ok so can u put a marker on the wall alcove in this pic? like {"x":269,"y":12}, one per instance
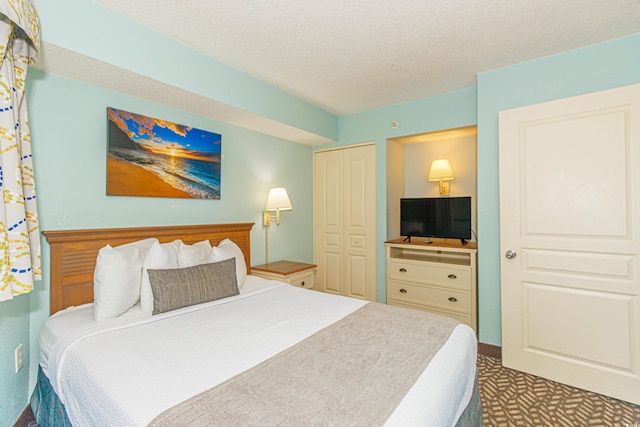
{"x":409,"y":159}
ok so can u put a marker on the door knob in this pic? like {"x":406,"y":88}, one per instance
{"x":510,"y":254}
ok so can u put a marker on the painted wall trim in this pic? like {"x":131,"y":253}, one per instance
{"x":55,"y":60}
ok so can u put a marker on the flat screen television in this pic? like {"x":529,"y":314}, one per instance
{"x":442,"y":217}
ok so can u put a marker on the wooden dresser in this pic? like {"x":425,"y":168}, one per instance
{"x":439,"y":277}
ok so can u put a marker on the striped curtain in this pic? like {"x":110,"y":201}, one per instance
{"x":19,"y":234}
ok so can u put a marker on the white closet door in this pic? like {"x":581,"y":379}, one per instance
{"x":570,"y":241}
{"x":344,"y":221}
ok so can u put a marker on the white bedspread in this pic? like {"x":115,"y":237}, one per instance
{"x":127,"y":371}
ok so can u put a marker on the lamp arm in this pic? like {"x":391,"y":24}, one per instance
{"x":268,"y":217}
{"x":444,"y":188}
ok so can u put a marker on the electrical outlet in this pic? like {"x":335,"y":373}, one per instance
{"x":18,"y":357}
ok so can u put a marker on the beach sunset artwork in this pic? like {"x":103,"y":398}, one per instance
{"x":155,"y":158}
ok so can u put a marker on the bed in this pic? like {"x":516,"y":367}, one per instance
{"x":266,"y":354}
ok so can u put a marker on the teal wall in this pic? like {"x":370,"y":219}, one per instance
{"x":14,"y":388}
{"x":598,"y":67}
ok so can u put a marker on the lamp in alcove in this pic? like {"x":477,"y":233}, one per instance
{"x":277,"y":200}
{"x":441,"y":171}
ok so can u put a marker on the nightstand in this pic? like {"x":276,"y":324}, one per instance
{"x":295,"y":273}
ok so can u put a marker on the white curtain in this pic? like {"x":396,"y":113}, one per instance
{"x":19,"y":234}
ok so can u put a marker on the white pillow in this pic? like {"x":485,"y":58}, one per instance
{"x":144,"y":245}
{"x":160,"y":256}
{"x":117,"y":277}
{"x":196,"y":254}
{"x":227,"y":249}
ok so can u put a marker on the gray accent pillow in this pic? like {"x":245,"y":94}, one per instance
{"x":181,"y":287}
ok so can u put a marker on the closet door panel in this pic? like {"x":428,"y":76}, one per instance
{"x":356,"y":276}
{"x":360,"y":220}
{"x":328,"y":220}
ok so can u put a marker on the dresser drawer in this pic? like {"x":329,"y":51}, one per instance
{"x":449,"y":276}
{"x":304,"y":281}
{"x":444,"y":299}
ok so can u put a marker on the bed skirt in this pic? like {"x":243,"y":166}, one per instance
{"x":49,"y":411}
{"x":47,"y":408}
{"x":472,"y":415}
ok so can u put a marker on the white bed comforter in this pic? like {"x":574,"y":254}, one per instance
{"x":127,"y":371}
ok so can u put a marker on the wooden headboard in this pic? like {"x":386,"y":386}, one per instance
{"x":74,"y":253}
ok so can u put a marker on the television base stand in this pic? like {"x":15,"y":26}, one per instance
{"x":440,"y":277}
{"x":426,"y":242}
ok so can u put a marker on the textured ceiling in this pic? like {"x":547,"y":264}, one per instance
{"x":355,"y":55}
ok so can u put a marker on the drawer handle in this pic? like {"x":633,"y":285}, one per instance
{"x":403,"y":291}
{"x":302,"y":284}
{"x":403,"y":270}
{"x":452,"y":276}
{"x":453,"y":299}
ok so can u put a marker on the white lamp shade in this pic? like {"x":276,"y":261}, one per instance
{"x":278,"y":199}
{"x":440,"y":171}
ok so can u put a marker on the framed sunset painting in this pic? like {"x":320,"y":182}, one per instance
{"x":155,"y":158}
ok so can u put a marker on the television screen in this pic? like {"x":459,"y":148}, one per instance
{"x":443,"y":217}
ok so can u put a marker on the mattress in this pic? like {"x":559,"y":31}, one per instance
{"x":77,"y":317}
{"x":126,"y":371}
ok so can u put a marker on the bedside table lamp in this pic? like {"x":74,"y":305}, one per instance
{"x":278,"y":200}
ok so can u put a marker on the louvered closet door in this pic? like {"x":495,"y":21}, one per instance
{"x":570,"y":241}
{"x":344,"y":209}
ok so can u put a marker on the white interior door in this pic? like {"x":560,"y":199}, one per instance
{"x":570,"y":213}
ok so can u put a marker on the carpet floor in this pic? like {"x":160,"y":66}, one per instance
{"x":513,"y":398}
